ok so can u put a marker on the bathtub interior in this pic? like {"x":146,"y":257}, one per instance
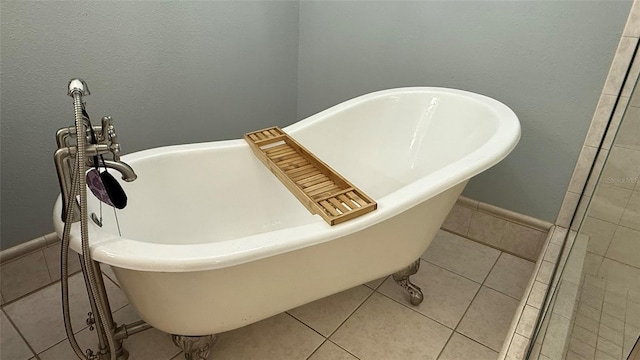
{"x":391,"y":141}
{"x":203,"y":196}
{"x":219,"y":191}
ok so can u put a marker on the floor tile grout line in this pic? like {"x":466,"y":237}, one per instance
{"x":482,"y":283}
{"x":492,"y":267}
{"x":625,"y":322}
{"x":109,"y":277}
{"x":326,"y":338}
{"x":398,"y":302}
{"x":455,"y":273}
{"x":342,"y":322}
{"x":476,"y":341}
{"x":46,"y":264}
{"x":487,"y":275}
{"x":436,"y":321}
{"x":576,"y":325}
{"x":601,"y":311}
{"x":495,"y":247}
{"x":467,"y":309}
{"x":445,"y":345}
{"x":413,"y":309}
{"x":614,"y":260}
{"x":501,"y":292}
{"x":575,"y":355}
{"x":179,"y":351}
{"x":19,"y":333}
{"x":474,"y":297}
{"x":78,"y":331}
{"x":303,"y":323}
{"x":570,"y":336}
{"x":316,"y":349}
{"x":626,"y":306}
{"x":60,"y":342}
{"x":612,"y":340}
{"x":52,"y":283}
{"x":353,"y":312}
{"x":458,"y":323}
{"x":455,"y":330}
{"x":442,"y":267}
{"x":575,"y":339}
{"x":350,"y":353}
{"x":611,"y":242}
{"x":326,"y":341}
{"x":113,"y":311}
{"x":378,"y":286}
{"x":519,"y":300}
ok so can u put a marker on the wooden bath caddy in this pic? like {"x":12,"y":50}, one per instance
{"x":318,"y":187}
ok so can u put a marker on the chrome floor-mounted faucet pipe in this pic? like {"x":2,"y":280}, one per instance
{"x":71,"y":160}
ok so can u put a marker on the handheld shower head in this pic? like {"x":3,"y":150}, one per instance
{"x":78,"y":85}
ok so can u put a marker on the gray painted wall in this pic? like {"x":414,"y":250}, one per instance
{"x":168,"y":72}
{"x":177,"y":72}
{"x":547,"y":60}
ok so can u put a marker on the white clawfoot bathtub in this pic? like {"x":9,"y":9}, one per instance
{"x":212,"y":241}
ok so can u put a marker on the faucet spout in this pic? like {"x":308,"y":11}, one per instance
{"x":125,"y":170}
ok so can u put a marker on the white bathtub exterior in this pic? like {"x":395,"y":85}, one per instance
{"x":211,"y":241}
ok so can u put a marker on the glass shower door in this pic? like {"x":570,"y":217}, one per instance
{"x":593,"y":309}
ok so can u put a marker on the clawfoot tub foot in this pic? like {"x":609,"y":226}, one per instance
{"x":402,"y":279}
{"x":195,"y":347}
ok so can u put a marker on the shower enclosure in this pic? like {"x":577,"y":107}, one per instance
{"x":592,"y":310}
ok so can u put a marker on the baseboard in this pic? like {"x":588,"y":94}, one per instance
{"x":28,"y":247}
{"x":505,"y":230}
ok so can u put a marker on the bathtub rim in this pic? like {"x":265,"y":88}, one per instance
{"x":146,"y":256}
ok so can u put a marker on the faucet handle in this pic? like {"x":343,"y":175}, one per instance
{"x":115,"y":150}
{"x":78,"y":84}
{"x":109,"y":134}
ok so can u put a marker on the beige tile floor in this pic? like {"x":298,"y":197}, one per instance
{"x":471,"y":294}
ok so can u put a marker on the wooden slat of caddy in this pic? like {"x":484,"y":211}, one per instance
{"x":326,"y":205}
{"x":329,"y":189}
{"x":339,"y":205}
{"x":312,"y":180}
{"x":281,"y":153}
{"x":309,"y":178}
{"x":285,"y":158}
{"x":277,"y":149}
{"x":350,"y":203}
{"x":302,"y":170}
{"x":356,"y":198}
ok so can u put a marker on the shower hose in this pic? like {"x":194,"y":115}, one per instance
{"x":78,"y":184}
